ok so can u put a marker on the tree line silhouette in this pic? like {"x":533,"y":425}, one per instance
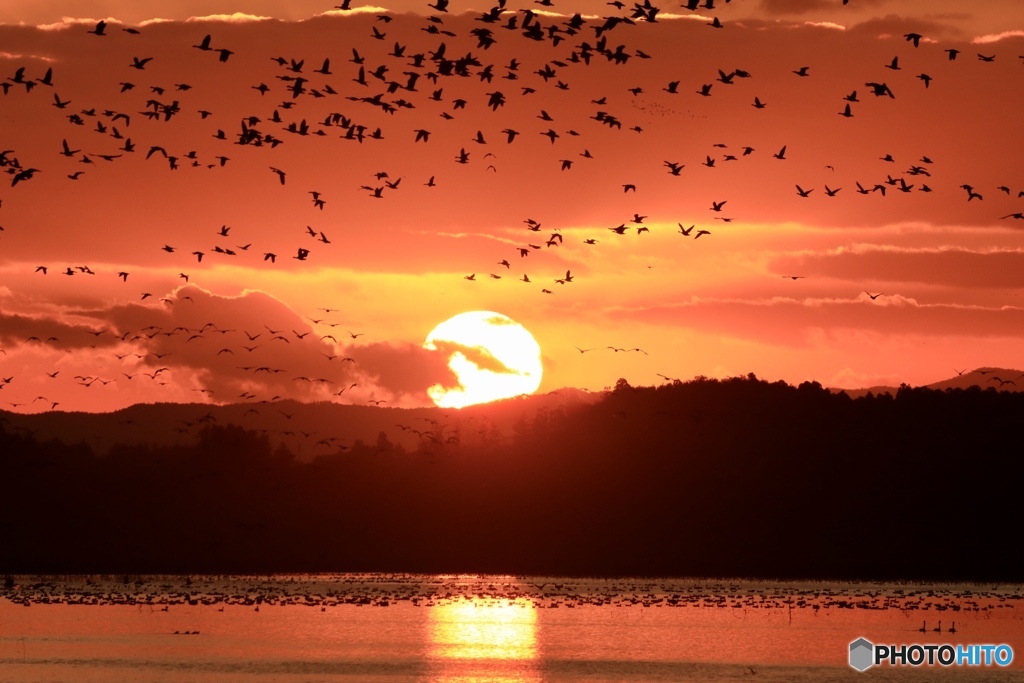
{"x":738,"y":477}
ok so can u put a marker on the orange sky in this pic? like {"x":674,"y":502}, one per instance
{"x":950,"y":271}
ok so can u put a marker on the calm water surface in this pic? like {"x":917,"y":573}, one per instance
{"x":484,"y":628}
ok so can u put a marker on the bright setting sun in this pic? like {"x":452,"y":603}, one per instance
{"x":493,"y":357}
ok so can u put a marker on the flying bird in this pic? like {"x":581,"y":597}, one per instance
{"x":880,"y":90}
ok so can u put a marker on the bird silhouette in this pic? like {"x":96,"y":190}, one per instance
{"x":880,"y":90}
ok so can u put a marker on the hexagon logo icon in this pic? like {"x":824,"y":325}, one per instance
{"x":862,"y":654}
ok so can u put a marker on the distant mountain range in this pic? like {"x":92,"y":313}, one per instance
{"x":1000,"y":379}
{"x":312,"y":429}
{"x":307,"y":429}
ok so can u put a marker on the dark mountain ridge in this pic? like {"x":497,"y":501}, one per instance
{"x":299,"y":426}
{"x":737,"y":477}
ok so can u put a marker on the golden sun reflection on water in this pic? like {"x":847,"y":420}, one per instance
{"x":492,"y":640}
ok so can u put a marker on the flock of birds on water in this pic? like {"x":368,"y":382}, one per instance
{"x":390,"y":80}
{"x":329,"y":593}
{"x":935,"y":603}
{"x":195,"y":603}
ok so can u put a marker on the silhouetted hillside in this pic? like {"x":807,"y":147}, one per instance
{"x":299,"y":426}
{"x":738,"y":477}
{"x":1000,"y":379}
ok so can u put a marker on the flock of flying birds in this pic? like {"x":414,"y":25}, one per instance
{"x":391,"y":79}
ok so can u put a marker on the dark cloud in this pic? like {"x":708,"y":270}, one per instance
{"x":249,"y":344}
{"x":946,"y":267}
{"x":404,"y":370}
{"x":51,"y":332}
{"x":898,"y":25}
{"x":794,"y":6}
{"x":478,"y":356}
{"x":793,"y":322}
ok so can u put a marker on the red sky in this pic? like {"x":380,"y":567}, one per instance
{"x":948,"y":270}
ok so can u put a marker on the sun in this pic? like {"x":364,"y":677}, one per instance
{"x":493,"y":357}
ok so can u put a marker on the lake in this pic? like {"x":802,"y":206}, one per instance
{"x":389,"y":627}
